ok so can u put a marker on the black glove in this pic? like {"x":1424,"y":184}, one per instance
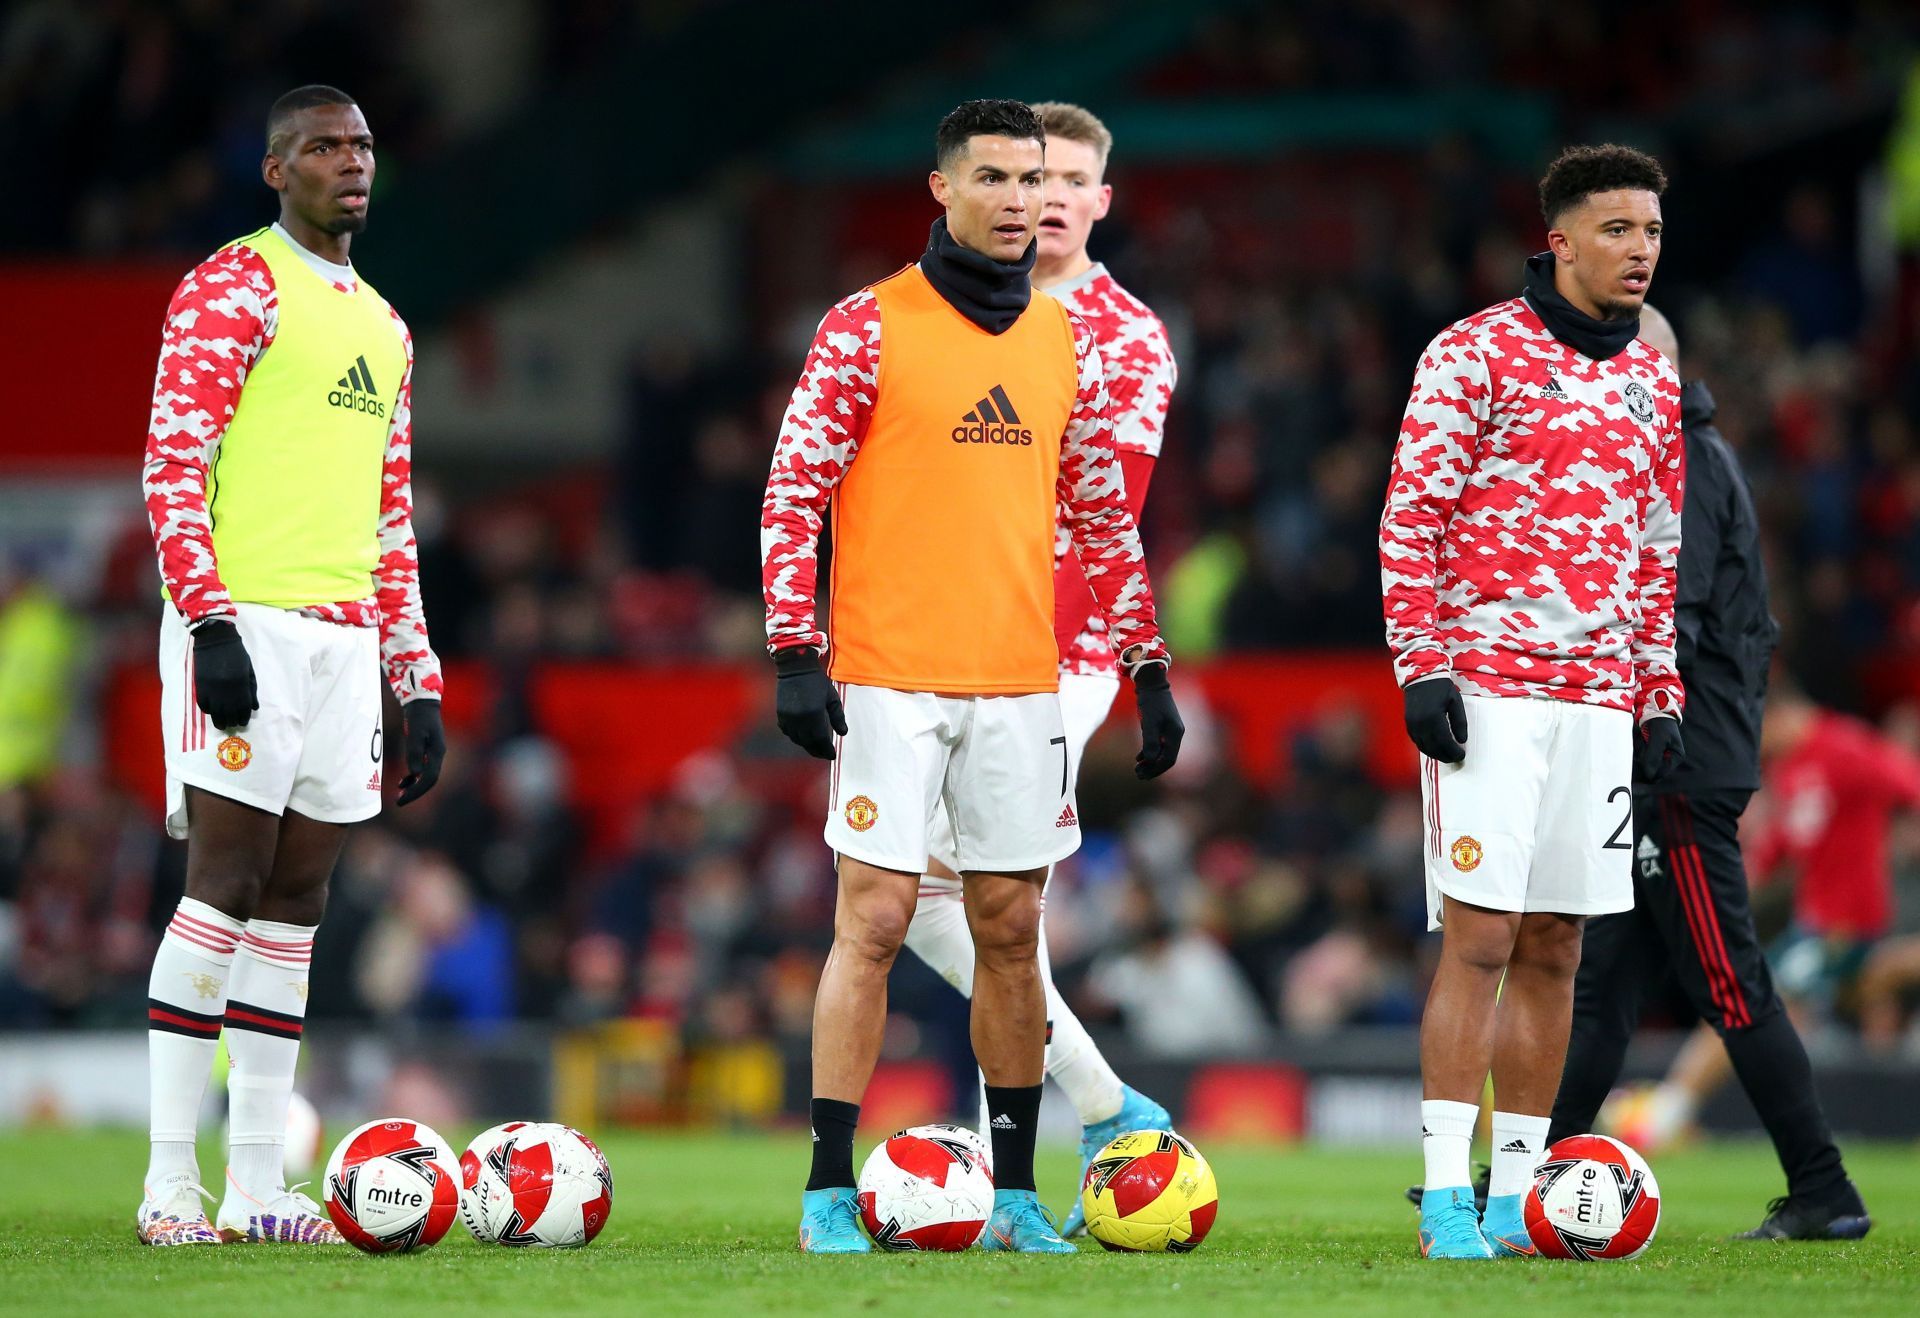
{"x":426,"y":748}
{"x":223,"y":683}
{"x":1437,"y":719}
{"x":806,"y":704}
{"x":1658,"y":750}
{"x":1160,"y":727}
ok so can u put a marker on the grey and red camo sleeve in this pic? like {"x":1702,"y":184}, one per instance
{"x":1655,"y":577}
{"x":1093,"y":507}
{"x":222,"y":317}
{"x":819,"y":436}
{"x":1446,"y":414}
{"x":413,"y":670}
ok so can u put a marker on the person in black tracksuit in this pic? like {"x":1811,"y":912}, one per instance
{"x":1691,"y":907}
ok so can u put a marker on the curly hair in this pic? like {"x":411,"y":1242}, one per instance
{"x":1582,"y":171}
{"x":971,"y":119}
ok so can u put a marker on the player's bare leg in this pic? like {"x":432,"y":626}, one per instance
{"x":1456,"y":1053}
{"x":1532,"y":1025}
{"x":266,"y":1011}
{"x":1009,"y":1022}
{"x":1010,"y":1041}
{"x":870,"y":917}
{"x":230,"y":850}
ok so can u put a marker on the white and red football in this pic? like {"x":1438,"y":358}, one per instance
{"x":393,"y":1186}
{"x":1592,"y":1198}
{"x":535,"y":1184}
{"x":926,"y":1188}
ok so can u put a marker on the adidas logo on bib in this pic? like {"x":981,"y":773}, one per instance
{"x":992,"y":421}
{"x":356,"y":393}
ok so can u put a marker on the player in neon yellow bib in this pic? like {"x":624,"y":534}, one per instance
{"x":278,"y":484}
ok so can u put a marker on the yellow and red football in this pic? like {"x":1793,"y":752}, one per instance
{"x":1149,"y":1191}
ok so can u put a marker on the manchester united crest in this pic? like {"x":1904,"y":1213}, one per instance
{"x":1466,"y":854}
{"x":861,"y":814}
{"x":234,"y":754}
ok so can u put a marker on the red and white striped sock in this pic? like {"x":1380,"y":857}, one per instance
{"x":266,"y":1010}
{"x":186,"y":999}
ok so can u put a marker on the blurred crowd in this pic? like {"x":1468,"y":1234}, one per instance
{"x":1200,"y":917}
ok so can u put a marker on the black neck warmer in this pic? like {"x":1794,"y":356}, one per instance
{"x":1696,"y":404}
{"x":1599,"y":339}
{"x":990,"y":293}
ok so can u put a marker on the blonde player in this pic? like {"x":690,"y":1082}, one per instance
{"x":1140,"y":375}
{"x":950,"y":416}
{"x":277,"y":484}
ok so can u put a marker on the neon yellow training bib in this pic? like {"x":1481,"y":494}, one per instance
{"x":295,"y":487}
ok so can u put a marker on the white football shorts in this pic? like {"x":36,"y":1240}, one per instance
{"x":1085,"y":700}
{"x":315,"y":743}
{"x":1539,"y":816}
{"x":995,"y":766}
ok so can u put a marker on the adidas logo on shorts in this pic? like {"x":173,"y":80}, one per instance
{"x":1067,"y":818}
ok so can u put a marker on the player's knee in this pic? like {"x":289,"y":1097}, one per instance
{"x":298,"y":903}
{"x":231,"y":887}
{"x":1551,"y":948}
{"x":875,"y":929}
{"x":1011,"y":933}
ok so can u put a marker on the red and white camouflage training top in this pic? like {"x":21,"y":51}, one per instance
{"x":1141,"y":375}
{"x":224,"y":314}
{"x":1532,"y":524}
{"x":820,"y":437}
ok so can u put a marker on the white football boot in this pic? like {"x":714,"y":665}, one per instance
{"x":174,"y":1213}
{"x":285,"y":1217}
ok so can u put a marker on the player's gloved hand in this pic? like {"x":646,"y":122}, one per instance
{"x":806,"y":704}
{"x":223,"y":684}
{"x":1437,"y":719}
{"x":426,"y":748}
{"x":1657,"y":750}
{"x":1161,"y":730}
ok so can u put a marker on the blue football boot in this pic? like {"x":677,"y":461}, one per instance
{"x":830,"y":1222}
{"x":1504,"y":1229}
{"x":1449,"y":1228}
{"x":1137,"y":1112}
{"x":1020,"y":1225}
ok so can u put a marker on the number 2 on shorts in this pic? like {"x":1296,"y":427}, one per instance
{"x":1618,"y":842}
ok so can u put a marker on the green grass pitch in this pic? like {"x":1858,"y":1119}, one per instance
{"x":704,"y":1224}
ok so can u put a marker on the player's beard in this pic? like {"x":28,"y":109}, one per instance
{"x":347,"y":224}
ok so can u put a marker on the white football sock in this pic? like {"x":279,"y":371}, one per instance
{"x":186,"y":998}
{"x":939,"y":936}
{"x":1073,"y":1060}
{"x":266,"y":1012}
{"x":1446,"y":1138}
{"x":1518,"y":1143}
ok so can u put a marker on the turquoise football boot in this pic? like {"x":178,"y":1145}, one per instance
{"x":1449,"y":1228}
{"x":830,"y":1222}
{"x":1504,"y":1229}
{"x":1137,"y":1112}
{"x":1020,"y":1225}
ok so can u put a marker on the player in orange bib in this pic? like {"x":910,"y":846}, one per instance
{"x":947,"y":415}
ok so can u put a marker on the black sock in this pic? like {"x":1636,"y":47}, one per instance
{"x":833,"y":1123}
{"x":1773,"y":1068}
{"x":1013,"y":1115}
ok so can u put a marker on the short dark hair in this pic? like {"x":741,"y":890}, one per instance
{"x":1582,"y":171}
{"x":971,"y":119}
{"x":300,"y":98}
